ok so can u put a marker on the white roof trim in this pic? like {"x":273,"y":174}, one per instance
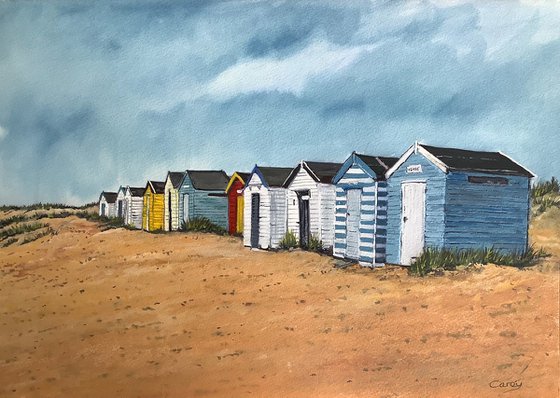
{"x":416,"y":148}
{"x":517,"y":163}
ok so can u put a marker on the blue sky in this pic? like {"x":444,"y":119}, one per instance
{"x":97,"y":95}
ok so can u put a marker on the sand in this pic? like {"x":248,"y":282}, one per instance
{"x":119,"y":313}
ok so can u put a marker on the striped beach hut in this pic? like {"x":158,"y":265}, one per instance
{"x":134,"y":203}
{"x":265,"y":213}
{"x":311,"y":202}
{"x":152,"y":213}
{"x":361,"y":209}
{"x":107,"y":204}
{"x":456,"y":199}
{"x":234,"y":191}
{"x":202,"y":195}
{"x":171,"y":200}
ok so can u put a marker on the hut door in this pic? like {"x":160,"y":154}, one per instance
{"x":412,"y":221}
{"x":353,"y":199}
{"x":240,"y":210}
{"x":169,"y":219}
{"x":255,"y":216}
{"x":186,"y":208}
{"x":304,"y":228}
{"x":103,"y":209}
{"x":120,"y":212}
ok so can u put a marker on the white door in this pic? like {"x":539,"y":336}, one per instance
{"x":412,"y":221}
{"x":353,"y":199}
{"x":186,"y":207}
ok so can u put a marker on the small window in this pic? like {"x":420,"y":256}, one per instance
{"x":488,"y":180}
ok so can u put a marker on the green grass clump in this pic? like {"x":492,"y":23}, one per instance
{"x":202,"y":224}
{"x":34,"y":237}
{"x":12,"y":220}
{"x":448,"y":259}
{"x":289,"y":241}
{"x":20,"y":229}
{"x":8,"y":242}
{"x":544,"y":195}
{"x":315,"y":244}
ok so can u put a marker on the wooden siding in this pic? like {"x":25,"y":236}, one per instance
{"x":435,"y":204}
{"x":233,"y":194}
{"x":203,"y":204}
{"x":373,"y":215}
{"x":321,"y":207}
{"x":134,"y":205}
{"x":485,"y":215}
{"x":272,"y":213}
{"x":175,"y":225}
{"x":152,"y":214}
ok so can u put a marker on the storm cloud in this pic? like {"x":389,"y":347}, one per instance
{"x":97,"y":95}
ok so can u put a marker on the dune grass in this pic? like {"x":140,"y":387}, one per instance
{"x":19,"y":229}
{"x":202,"y":224}
{"x":289,"y":241}
{"x":449,"y":259}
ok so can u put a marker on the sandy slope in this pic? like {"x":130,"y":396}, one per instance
{"x":126,"y":313}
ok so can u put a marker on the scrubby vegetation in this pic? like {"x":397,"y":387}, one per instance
{"x":202,"y":224}
{"x":289,"y":241}
{"x":315,"y":244}
{"x":445,"y":259}
{"x":544,"y":195}
{"x":20,"y":229}
{"x":46,"y":206}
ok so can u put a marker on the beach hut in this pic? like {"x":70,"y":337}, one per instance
{"x":234,"y":191}
{"x":202,"y":195}
{"x":311,"y":202}
{"x":171,"y":200}
{"x":107,"y":205}
{"x":456,"y":199}
{"x":152,"y":212}
{"x":120,"y":204}
{"x":265,"y":215}
{"x":134,"y":202}
{"x":361,"y":209}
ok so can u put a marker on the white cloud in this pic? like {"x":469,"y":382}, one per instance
{"x":3,"y":133}
{"x":289,"y":75}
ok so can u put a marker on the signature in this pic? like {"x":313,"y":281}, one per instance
{"x":513,"y":385}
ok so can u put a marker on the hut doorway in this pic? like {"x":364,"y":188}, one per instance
{"x":120,"y":211}
{"x":412,"y":220}
{"x":169,"y":219}
{"x":304,"y":227}
{"x":353,"y":199}
{"x":186,"y":208}
{"x":255,"y":216}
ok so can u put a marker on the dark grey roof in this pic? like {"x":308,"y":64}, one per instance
{"x":137,"y":191}
{"x":379,"y":164}
{"x":176,"y":177}
{"x":209,"y":180}
{"x":320,"y":171}
{"x":244,"y":176}
{"x":275,"y":176}
{"x":490,"y":162}
{"x":157,"y":186}
{"x":110,"y":197}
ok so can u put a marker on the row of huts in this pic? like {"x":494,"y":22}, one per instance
{"x":372,"y":209}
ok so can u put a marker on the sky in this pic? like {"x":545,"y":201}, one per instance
{"x":94,"y":95}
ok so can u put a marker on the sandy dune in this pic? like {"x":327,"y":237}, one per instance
{"x":129,"y":314}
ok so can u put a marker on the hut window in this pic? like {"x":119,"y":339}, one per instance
{"x":488,"y":180}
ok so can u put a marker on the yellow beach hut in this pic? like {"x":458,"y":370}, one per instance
{"x":153,"y":209}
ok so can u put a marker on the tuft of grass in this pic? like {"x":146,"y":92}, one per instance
{"x":315,"y":244}
{"x":8,"y":242}
{"x":20,"y":229}
{"x":544,"y":195}
{"x":289,"y":241}
{"x":202,"y":224}
{"x":448,"y":259}
{"x":46,"y":206}
{"x":34,"y":237}
{"x":12,"y":220}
